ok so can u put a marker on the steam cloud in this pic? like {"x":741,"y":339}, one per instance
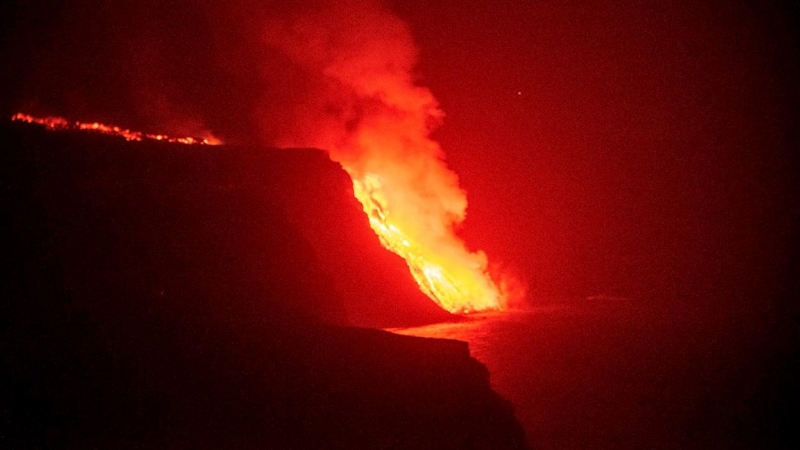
{"x":365,"y":108}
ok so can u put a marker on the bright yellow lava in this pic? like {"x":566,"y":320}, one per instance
{"x":450,"y":275}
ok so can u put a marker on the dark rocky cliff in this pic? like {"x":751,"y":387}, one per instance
{"x":163,"y":296}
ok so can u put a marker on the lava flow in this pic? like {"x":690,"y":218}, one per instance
{"x":60,"y":123}
{"x":450,"y":275}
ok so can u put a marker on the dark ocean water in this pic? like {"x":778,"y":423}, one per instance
{"x":614,"y":373}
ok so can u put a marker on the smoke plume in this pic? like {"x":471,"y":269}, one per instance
{"x":365,"y":107}
{"x":363,"y":104}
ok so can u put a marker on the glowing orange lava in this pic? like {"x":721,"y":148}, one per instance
{"x":444,"y":269}
{"x":60,"y":123}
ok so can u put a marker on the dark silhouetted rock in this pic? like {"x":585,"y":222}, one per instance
{"x":163,"y":296}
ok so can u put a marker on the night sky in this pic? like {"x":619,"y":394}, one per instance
{"x":634,"y":148}
{"x":620,"y":148}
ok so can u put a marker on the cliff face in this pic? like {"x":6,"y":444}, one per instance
{"x":161,"y":296}
{"x":162,"y":192}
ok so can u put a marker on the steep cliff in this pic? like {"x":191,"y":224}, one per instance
{"x":162,"y":296}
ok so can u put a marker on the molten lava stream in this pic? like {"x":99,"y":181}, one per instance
{"x":445,"y":271}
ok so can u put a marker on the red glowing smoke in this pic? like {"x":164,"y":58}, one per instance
{"x":367,"y":110}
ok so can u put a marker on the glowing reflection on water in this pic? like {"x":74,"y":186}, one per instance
{"x":483,"y":332}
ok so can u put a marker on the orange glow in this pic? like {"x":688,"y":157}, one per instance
{"x":59,"y":123}
{"x":367,"y":110}
{"x":443,"y":268}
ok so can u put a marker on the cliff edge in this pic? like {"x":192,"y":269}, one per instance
{"x":162,"y":296}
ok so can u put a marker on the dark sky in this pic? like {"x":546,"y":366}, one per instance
{"x":635,"y":148}
{"x":621,"y":147}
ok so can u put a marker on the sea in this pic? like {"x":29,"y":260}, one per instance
{"x":615,"y":373}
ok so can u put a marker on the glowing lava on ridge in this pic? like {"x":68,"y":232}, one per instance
{"x":60,"y":123}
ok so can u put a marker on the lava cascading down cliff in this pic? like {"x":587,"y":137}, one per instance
{"x":373,"y":118}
